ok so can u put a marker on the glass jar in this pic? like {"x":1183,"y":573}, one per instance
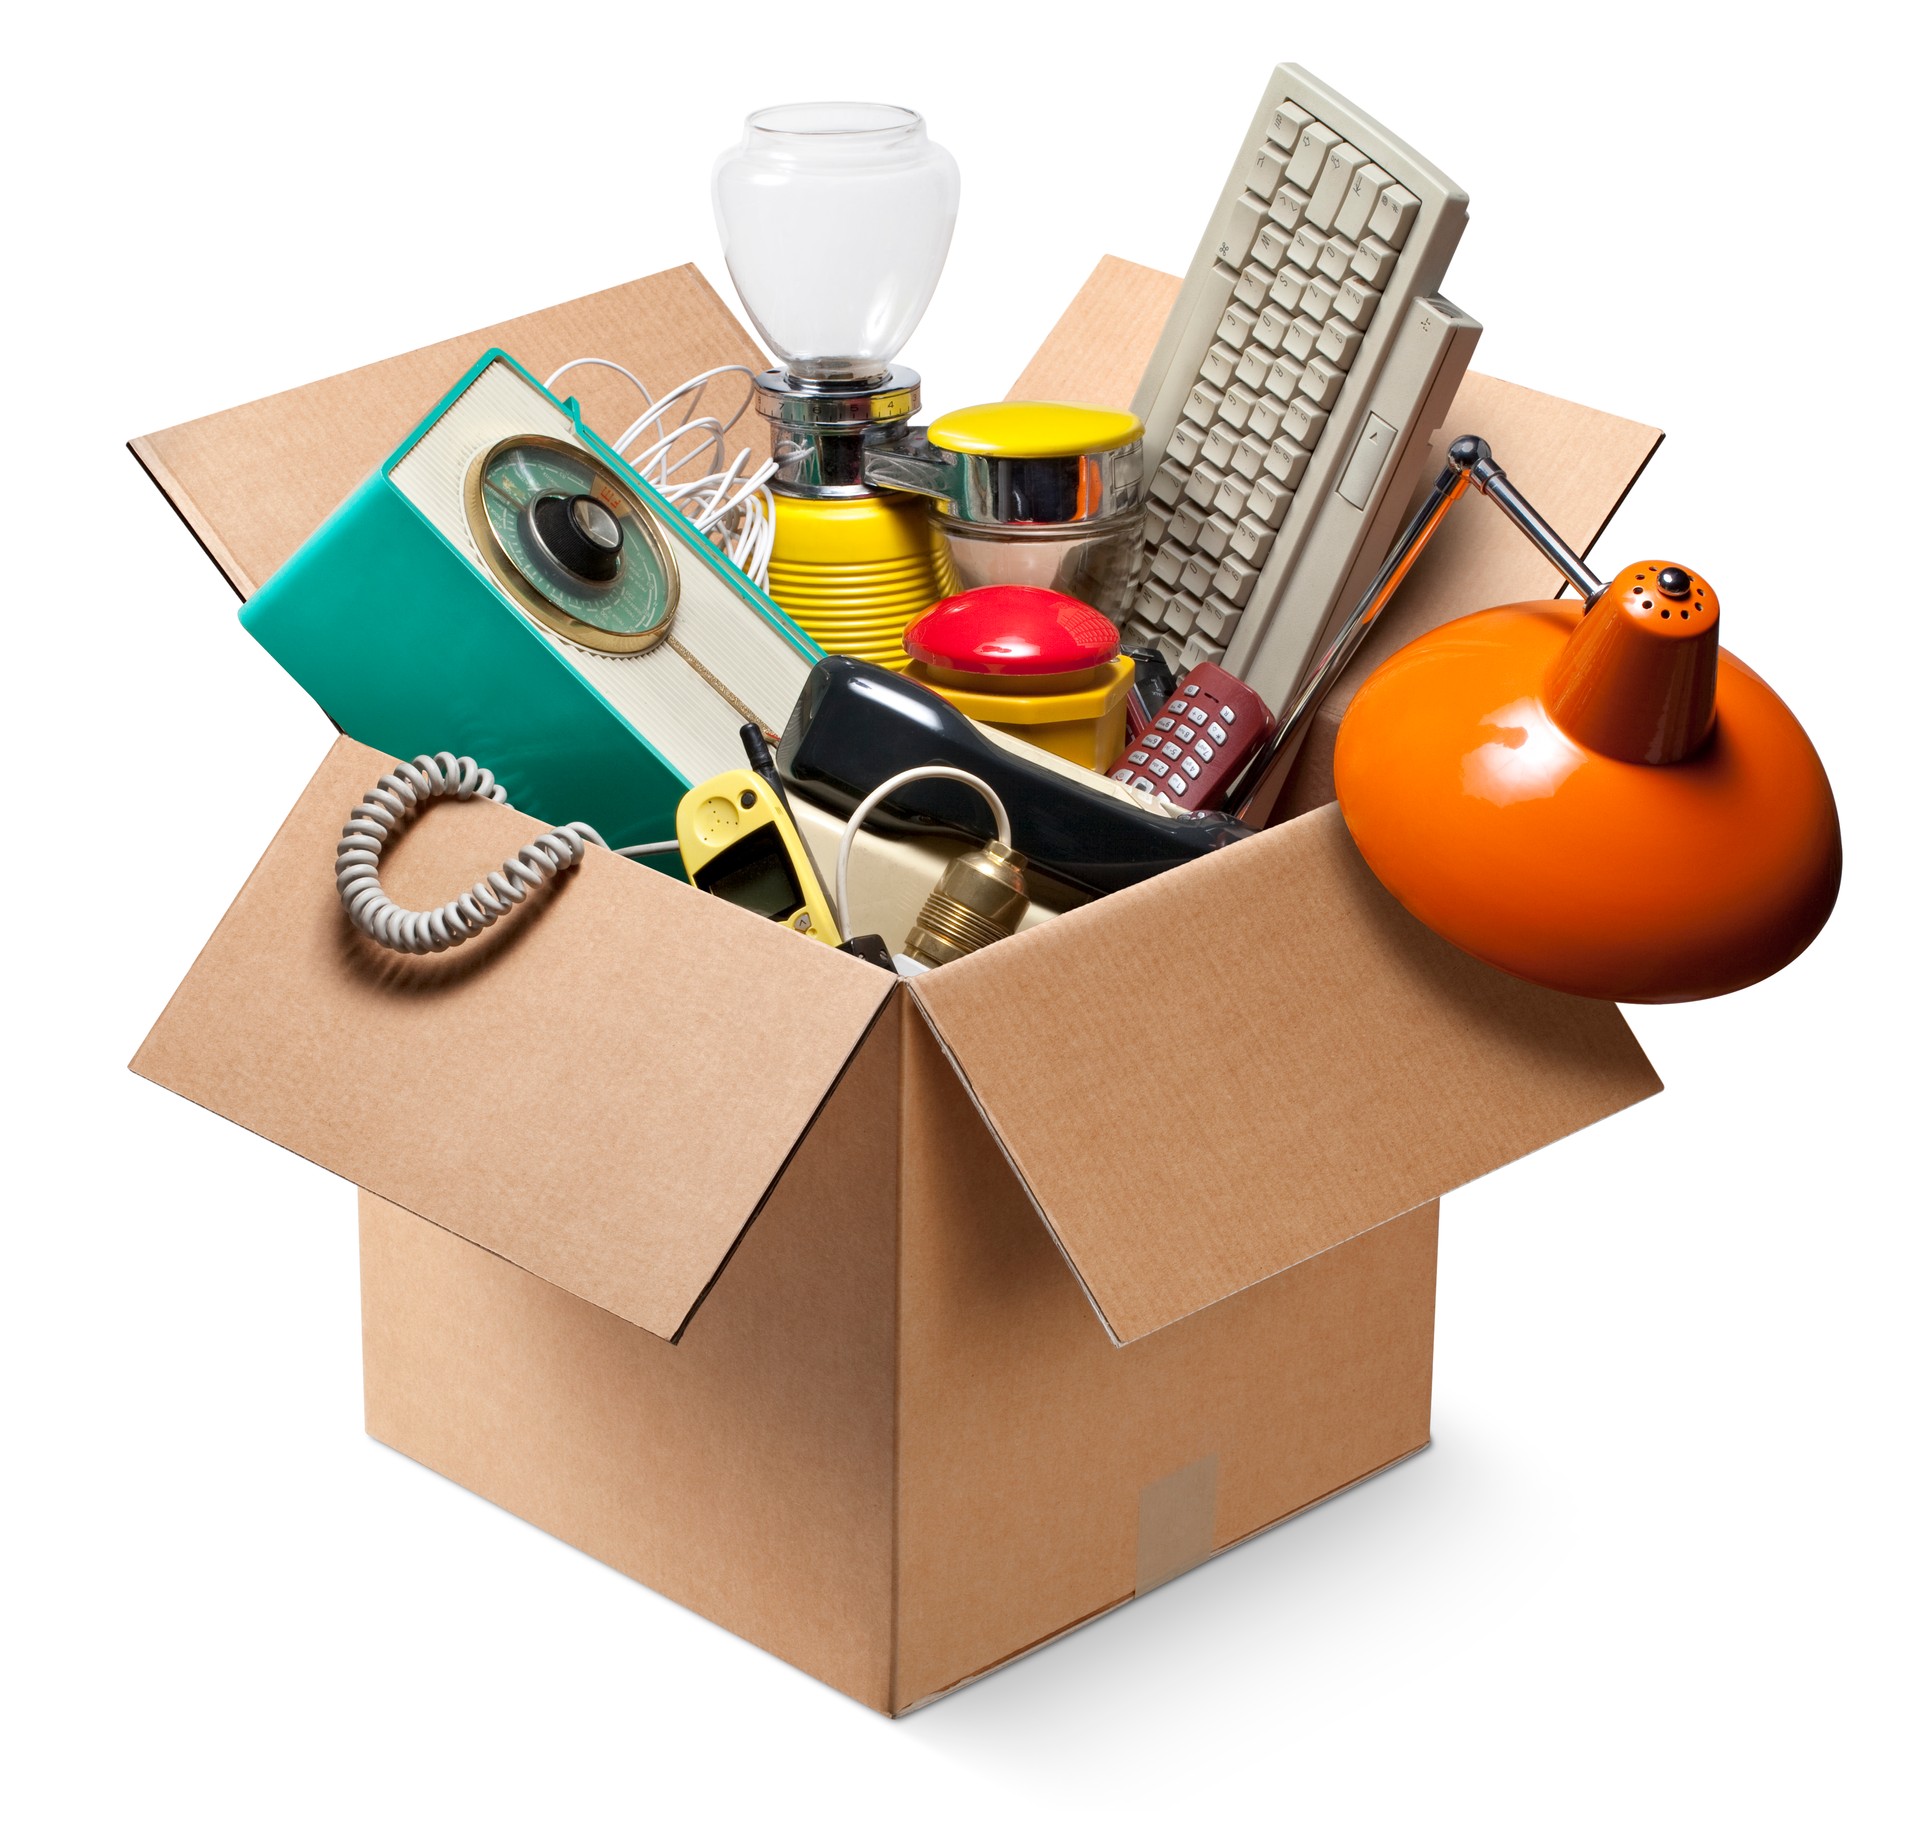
{"x":835,"y":217}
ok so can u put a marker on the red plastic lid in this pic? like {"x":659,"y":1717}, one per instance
{"x":1011,"y":631}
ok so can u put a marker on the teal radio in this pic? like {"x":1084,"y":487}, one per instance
{"x":507,"y":586}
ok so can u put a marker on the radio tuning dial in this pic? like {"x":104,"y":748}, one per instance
{"x":580,"y":534}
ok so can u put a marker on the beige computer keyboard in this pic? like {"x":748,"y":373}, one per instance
{"x":1289,"y":404}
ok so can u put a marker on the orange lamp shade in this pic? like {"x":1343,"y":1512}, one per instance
{"x":1605,"y":802}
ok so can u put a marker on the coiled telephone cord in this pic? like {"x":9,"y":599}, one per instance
{"x":391,"y":804}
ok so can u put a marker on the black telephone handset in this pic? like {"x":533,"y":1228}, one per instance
{"x":856,"y":725}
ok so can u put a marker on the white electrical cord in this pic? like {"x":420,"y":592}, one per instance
{"x":392,"y":803}
{"x":1002,"y":828}
{"x":731,"y":507}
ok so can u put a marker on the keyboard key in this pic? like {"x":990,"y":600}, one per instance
{"x":1231,"y":500}
{"x":1252,"y":370}
{"x":1266,"y":506}
{"x":1219,"y":446}
{"x":1318,"y":300}
{"x":1304,"y":423}
{"x":1205,"y":749}
{"x":1368,"y":458}
{"x":1268,"y":165}
{"x":1169,"y":483}
{"x":1236,"y":406}
{"x":1167,"y":564}
{"x":1305,"y":248}
{"x":1202,"y":402}
{"x":1197,"y":577}
{"x":1356,"y":301}
{"x":1288,"y":283}
{"x":1180,"y":612}
{"x":1215,"y":620}
{"x":1284,"y":129}
{"x":1282,"y":377}
{"x":1338,"y":343}
{"x":1309,"y":153}
{"x":1301,"y":335}
{"x":1183,"y":446}
{"x":1197,"y":650}
{"x":1235,"y":579}
{"x":1336,"y":175}
{"x":1217,"y":368}
{"x":1271,"y":246}
{"x":1176,"y":783}
{"x":1151,"y":604}
{"x":1255,"y":282}
{"x":1362,"y":194}
{"x":1158,"y":518}
{"x":1218,"y":529}
{"x":1243,"y":222}
{"x":1372,"y":263}
{"x":1271,"y":327}
{"x":1265,"y":421}
{"x":1335,"y":257}
{"x":1286,"y":462}
{"x":1236,"y":326}
{"x":1392,"y":215}
{"x":1288,"y":209}
{"x":1203,"y":483}
{"x":1252,"y":540}
{"x":1185,"y":525}
{"x":1250,"y":457}
{"x":1321,"y":381}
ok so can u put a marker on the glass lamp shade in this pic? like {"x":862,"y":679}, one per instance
{"x":835,"y":218}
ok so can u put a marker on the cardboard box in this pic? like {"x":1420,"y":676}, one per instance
{"x":869,"y":1318}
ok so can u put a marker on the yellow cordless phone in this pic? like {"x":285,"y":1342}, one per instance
{"x":738,"y":842}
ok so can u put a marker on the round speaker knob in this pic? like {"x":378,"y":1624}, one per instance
{"x":1675,"y":584}
{"x":580,"y":534}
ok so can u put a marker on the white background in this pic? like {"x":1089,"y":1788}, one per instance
{"x":1658,"y":1558}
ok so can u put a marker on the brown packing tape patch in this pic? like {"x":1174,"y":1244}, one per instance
{"x":1176,"y":1523}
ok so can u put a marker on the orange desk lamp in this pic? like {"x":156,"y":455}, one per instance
{"x":1595,"y":798}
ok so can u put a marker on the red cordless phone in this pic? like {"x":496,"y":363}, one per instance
{"x":1206,"y":731}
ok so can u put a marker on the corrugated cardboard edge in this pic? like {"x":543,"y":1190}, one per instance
{"x":176,"y":495}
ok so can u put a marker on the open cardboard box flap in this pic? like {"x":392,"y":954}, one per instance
{"x":1230,"y":1068}
{"x":603,"y":1089}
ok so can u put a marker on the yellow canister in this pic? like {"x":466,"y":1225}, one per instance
{"x":852,"y":573}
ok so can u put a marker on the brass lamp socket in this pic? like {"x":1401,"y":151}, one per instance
{"x":981,"y":897}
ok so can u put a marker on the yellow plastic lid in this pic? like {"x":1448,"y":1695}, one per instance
{"x":1026,"y":428}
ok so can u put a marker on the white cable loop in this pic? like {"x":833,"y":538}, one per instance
{"x":733,"y":509}
{"x":1002,"y":828}
{"x":394,"y":802}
